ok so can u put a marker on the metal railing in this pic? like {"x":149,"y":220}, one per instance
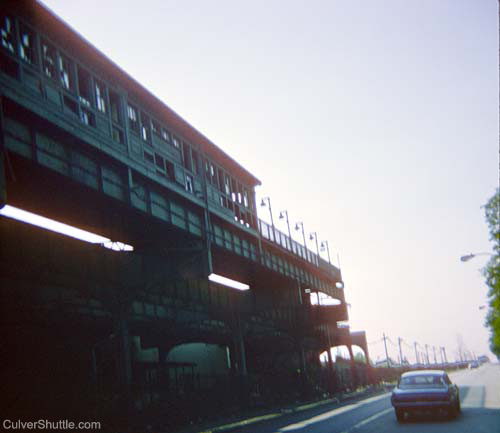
{"x":278,"y":237}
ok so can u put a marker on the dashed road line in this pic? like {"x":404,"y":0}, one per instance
{"x":368,"y":420}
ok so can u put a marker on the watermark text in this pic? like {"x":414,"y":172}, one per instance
{"x":43,"y":424}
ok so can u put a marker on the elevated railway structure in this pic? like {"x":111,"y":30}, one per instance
{"x":85,"y":326}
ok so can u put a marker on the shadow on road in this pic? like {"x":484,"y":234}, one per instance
{"x":467,"y":421}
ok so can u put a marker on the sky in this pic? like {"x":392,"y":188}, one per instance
{"x":375,"y":123}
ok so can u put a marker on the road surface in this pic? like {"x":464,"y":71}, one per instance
{"x":479,"y":395}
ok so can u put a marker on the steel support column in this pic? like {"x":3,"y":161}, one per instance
{"x":354,"y":375}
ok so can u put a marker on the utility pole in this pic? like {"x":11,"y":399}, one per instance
{"x":427,"y":353}
{"x":417,"y":360}
{"x":386,"y":354}
{"x":434,"y":350}
{"x":400,"y":351}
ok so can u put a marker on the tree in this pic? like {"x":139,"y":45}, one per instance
{"x":492,"y":272}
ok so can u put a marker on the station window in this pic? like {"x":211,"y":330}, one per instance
{"x":145,"y":127}
{"x":84,"y":86}
{"x":207,"y":169}
{"x":196,"y":162}
{"x":186,"y":153}
{"x":114,"y":102}
{"x":176,"y":143}
{"x":70,"y":104}
{"x":220,"y":175}
{"x":7,"y":32}
{"x":8,"y":65}
{"x":170,"y":169}
{"x":165,"y":135}
{"x":117,"y":135}
{"x":189,"y":183}
{"x":87,"y":117}
{"x":100,"y":96}
{"x":49,"y":60}
{"x":155,"y":127}
{"x":149,"y":157}
{"x":160,"y":161}
{"x":133,"y":119}
{"x":27,"y":47}
{"x":65,"y":72}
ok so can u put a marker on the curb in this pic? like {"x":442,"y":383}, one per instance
{"x":276,"y":413}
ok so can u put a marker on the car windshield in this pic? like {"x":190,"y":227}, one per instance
{"x":422,"y":381}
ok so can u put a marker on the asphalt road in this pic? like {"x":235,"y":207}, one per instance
{"x":479,"y":395}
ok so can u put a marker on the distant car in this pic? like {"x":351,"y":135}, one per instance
{"x":423,"y":391}
{"x":473,"y":364}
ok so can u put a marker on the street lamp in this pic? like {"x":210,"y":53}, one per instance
{"x":263,"y":204}
{"x":301,"y":224}
{"x":467,"y":257}
{"x":284,"y":214}
{"x":314,"y":236}
{"x":323,"y":245}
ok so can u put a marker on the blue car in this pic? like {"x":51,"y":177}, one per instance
{"x":424,"y":391}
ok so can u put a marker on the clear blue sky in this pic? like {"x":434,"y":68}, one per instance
{"x":373,"y":122}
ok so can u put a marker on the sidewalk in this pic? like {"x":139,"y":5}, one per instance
{"x":228,"y":424}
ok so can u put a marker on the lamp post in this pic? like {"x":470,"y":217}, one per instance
{"x":323,"y":245}
{"x":301,"y":224}
{"x":314,"y":236}
{"x":284,"y":214}
{"x":263,"y":204}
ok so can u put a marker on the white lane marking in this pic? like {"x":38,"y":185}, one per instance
{"x":368,"y":420}
{"x":331,"y":414}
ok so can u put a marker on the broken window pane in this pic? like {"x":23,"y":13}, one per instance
{"x":7,"y":32}
{"x":155,"y":127}
{"x":165,"y":135}
{"x":100,"y":96}
{"x":189,"y":183}
{"x":87,"y":117}
{"x":145,"y":127}
{"x":133,"y":119}
{"x":84,"y":86}
{"x":27,"y":45}
{"x":207,"y":169}
{"x":65,"y":71}
{"x":48,"y":60}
